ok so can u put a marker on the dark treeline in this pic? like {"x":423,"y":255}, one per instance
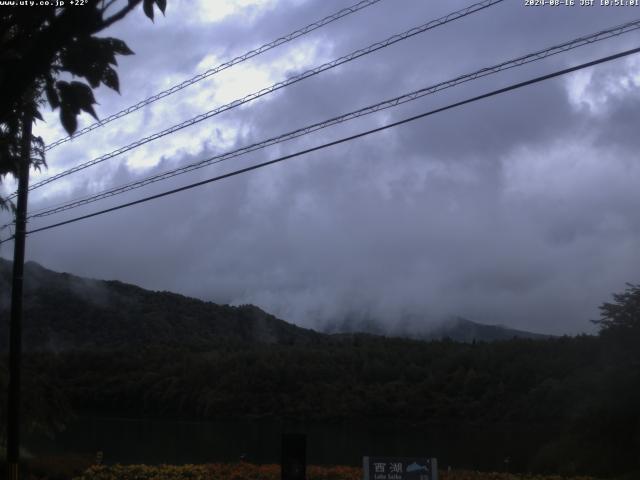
{"x":351,"y":377}
{"x":109,"y":348}
{"x":584,"y":387}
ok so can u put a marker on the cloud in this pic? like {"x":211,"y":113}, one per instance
{"x":518,"y":209}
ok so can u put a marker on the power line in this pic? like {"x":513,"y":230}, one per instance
{"x":344,"y":139}
{"x":309,"y":73}
{"x":8,"y":239}
{"x":277,"y":86}
{"x":223,"y":66}
{"x":11,"y":234}
{"x":519,"y":61}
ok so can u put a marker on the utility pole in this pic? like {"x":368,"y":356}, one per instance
{"x":15,"y":326}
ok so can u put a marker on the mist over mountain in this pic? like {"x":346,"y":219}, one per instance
{"x":163,"y":355}
{"x":66,"y":312}
{"x":457,"y":329}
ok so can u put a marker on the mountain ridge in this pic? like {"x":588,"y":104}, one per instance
{"x":64,"y":311}
{"x":68,"y":312}
{"x":454,"y":328}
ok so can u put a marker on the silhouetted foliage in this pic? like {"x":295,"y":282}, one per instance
{"x":555,"y":382}
{"x":623,"y":315}
{"x":37,"y":45}
{"x":45,"y":407}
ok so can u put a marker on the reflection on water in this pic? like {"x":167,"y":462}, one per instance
{"x":157,"y":441}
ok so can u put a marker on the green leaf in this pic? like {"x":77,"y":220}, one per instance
{"x":76,"y":96}
{"x":83,"y":97}
{"x":37,"y":114}
{"x":52,"y":95}
{"x":93,"y":77}
{"x":90,"y":57}
{"x":162,"y":5}
{"x":38,"y":159}
{"x":67,"y":101}
{"x":147,"y":6}
{"x":110,"y":79}
{"x":68,"y":119}
{"x":119,"y":47}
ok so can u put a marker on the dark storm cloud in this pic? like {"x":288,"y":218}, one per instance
{"x":516,"y":210}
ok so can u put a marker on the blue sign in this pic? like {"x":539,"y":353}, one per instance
{"x":400,"y":468}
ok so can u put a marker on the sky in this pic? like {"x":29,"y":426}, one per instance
{"x":519,"y":210}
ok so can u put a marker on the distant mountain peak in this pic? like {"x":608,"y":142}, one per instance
{"x":464,"y":330}
{"x":455,"y":328}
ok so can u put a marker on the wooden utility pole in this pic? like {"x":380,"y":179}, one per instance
{"x":15,"y":326}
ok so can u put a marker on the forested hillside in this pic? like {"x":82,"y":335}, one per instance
{"x":65,"y":312}
{"x":574,"y":385}
{"x":142,"y":353}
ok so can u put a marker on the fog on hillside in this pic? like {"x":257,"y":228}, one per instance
{"x":319,"y":240}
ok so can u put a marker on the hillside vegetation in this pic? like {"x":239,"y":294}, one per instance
{"x":64,"y":312}
{"x":141,"y":353}
{"x":247,"y":471}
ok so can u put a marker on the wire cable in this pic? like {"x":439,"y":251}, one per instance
{"x":277,"y":86}
{"x":223,"y":66}
{"x":8,"y":239}
{"x":344,"y":139}
{"x":389,"y":103}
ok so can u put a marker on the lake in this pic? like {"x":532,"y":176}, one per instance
{"x":131,"y":441}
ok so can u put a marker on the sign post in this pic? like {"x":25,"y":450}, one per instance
{"x":294,"y":457}
{"x":400,"y":468}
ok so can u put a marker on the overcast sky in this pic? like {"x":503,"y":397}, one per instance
{"x":520,"y":210}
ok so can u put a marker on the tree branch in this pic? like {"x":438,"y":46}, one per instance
{"x":106,"y":7}
{"x":120,"y":15}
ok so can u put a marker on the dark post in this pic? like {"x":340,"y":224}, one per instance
{"x":294,"y":456}
{"x":15,"y":327}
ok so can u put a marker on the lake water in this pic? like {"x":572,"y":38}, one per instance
{"x":158,"y":441}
